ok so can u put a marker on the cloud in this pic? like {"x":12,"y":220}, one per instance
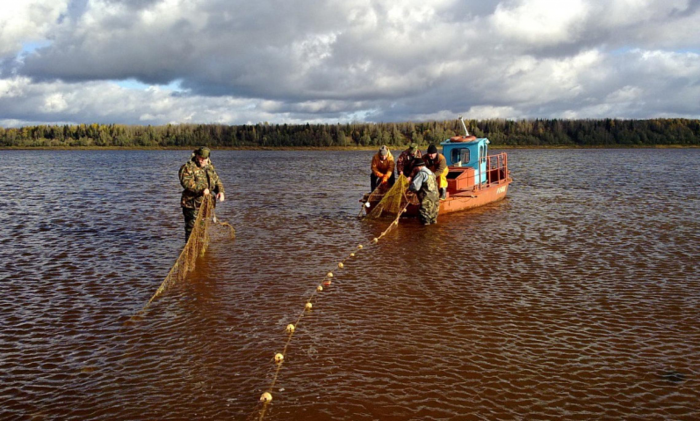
{"x":22,"y":100}
{"x":24,"y":22}
{"x":328,"y":61}
{"x":539,"y":22}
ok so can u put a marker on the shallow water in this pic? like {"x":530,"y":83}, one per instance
{"x":578,"y":297}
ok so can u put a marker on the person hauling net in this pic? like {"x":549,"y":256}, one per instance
{"x":425,"y":186}
{"x":437,"y":163}
{"x":405,"y":164}
{"x":200,"y":182}
{"x":382,"y":169}
{"x":199,"y":179}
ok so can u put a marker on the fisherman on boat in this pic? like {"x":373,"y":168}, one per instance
{"x":424,"y":185}
{"x":382,"y":169}
{"x":406,"y":161}
{"x":437,"y":163}
{"x":199,"y":179}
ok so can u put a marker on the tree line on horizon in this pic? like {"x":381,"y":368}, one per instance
{"x":533,"y":132}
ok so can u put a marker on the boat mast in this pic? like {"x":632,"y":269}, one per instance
{"x":464,"y":125}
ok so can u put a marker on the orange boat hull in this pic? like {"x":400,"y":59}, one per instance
{"x":468,"y":200}
{"x":466,"y":189}
{"x":464,"y":200}
{"x":459,"y":201}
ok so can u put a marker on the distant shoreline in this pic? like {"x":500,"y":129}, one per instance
{"x":326,"y":148}
{"x":503,"y":134}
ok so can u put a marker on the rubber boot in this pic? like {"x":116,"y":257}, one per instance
{"x":443,"y":193}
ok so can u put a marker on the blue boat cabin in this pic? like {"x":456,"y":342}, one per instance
{"x":466,"y":152}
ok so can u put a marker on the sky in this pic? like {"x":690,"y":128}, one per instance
{"x":158,"y":62}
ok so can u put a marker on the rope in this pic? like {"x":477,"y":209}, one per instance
{"x":266,"y":397}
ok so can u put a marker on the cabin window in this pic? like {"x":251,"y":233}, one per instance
{"x":460,"y":155}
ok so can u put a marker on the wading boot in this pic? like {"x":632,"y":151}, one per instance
{"x":443,"y":193}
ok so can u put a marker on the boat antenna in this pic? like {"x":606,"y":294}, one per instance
{"x":464,"y":125}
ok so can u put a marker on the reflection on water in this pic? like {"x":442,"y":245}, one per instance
{"x":576,"y":298}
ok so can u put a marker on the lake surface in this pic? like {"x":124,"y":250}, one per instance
{"x":578,"y":297}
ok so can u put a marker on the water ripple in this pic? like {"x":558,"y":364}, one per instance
{"x":576,"y":298}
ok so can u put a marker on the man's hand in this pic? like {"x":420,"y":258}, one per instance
{"x":220,"y":197}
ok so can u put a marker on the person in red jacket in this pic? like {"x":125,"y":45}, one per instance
{"x":382,"y":169}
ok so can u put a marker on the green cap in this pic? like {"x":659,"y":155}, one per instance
{"x":413,"y":148}
{"x":203,"y":152}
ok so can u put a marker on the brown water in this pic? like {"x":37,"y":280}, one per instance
{"x":576,"y":298}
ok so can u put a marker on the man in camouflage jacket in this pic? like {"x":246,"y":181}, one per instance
{"x":198,"y":178}
{"x":425,"y":186}
{"x":405,"y":163}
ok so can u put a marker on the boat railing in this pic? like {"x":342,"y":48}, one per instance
{"x":496,"y":169}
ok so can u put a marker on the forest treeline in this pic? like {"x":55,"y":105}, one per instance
{"x":538,"y":132}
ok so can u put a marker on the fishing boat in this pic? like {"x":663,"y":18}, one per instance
{"x":475,"y":178}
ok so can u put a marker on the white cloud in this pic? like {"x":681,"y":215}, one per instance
{"x":54,"y":103}
{"x":485,"y":112}
{"x":625,"y":94}
{"x":337,"y":60}
{"x":632,"y":12}
{"x":26,"y":21}
{"x":540,"y":22}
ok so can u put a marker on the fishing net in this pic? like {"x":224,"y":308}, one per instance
{"x":392,"y":201}
{"x":195,"y":247}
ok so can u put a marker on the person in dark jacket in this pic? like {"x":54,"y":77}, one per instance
{"x":198,"y":177}
{"x":437,"y":163}
{"x":405,"y":162}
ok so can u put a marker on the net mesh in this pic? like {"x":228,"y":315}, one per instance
{"x":391,"y":201}
{"x":196,"y":246}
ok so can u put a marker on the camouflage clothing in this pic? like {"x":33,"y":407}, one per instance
{"x":425,"y":186}
{"x":195,"y":179}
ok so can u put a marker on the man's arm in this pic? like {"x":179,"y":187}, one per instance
{"x":417,"y":181}
{"x":442,"y":164}
{"x":218,"y":185}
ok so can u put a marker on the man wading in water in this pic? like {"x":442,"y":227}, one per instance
{"x":198,"y":177}
{"x":424,"y":185}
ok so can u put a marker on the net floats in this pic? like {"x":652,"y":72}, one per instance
{"x":341,"y":265}
{"x":329,"y":275}
{"x":279,"y":358}
{"x":319,"y":288}
{"x":327,"y":282}
{"x":308,"y":306}
{"x":290,"y":328}
{"x":266,"y":397}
